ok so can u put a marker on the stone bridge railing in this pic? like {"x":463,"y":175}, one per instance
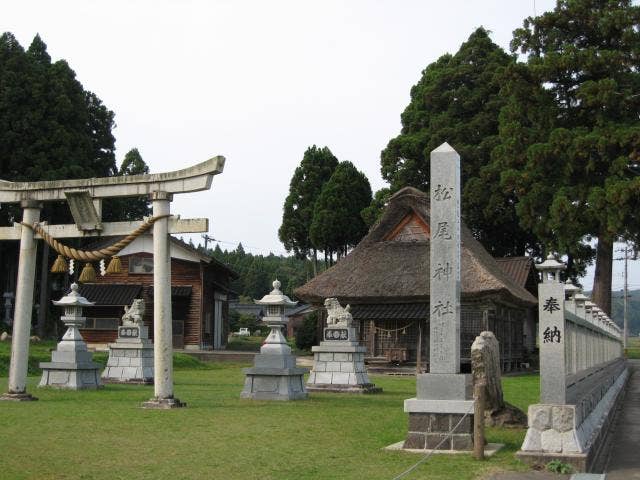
{"x":582,"y":372}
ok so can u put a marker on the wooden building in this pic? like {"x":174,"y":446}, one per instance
{"x":385,"y":279}
{"x":199,"y":295}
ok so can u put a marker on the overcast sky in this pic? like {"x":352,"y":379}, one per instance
{"x":257,"y":82}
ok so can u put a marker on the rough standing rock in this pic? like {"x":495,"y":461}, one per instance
{"x":485,"y":365}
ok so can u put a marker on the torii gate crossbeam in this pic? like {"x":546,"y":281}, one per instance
{"x":160,"y":187}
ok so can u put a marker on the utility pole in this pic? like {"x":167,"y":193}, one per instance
{"x":625,"y":300}
{"x":207,"y":239}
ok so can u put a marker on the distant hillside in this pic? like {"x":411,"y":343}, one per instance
{"x":634,"y":310}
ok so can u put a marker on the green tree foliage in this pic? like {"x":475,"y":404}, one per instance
{"x":307,"y":333}
{"x":372,"y":212}
{"x":567,"y":153}
{"x":458,"y":101}
{"x":617,"y":310}
{"x":130,"y":208}
{"x":337,"y":223}
{"x":50,"y":127}
{"x":314,"y":171}
{"x":257,"y":272}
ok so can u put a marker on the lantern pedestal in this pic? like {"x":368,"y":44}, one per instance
{"x":274,"y":375}
{"x":71,"y":366}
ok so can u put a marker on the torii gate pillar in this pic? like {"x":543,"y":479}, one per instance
{"x":24,"y":306}
{"x":162,"y":315}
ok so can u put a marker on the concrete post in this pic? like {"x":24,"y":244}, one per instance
{"x":162,"y":315}
{"x":24,"y":306}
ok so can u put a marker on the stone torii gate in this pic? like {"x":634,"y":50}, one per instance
{"x":85,"y":200}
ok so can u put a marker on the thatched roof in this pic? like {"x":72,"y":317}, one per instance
{"x":391,"y":263}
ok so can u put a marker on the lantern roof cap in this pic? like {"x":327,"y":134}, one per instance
{"x":276,"y":297}
{"x":551,"y":264}
{"x":569,"y":287}
{"x":581,"y":297}
{"x":73,"y":299}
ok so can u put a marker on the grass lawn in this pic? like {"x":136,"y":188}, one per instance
{"x":633,"y":347}
{"x":104,"y":434}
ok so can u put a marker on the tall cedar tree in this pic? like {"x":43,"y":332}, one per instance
{"x":50,"y":127}
{"x":457,"y":101}
{"x":132,"y":208}
{"x":573,"y":177}
{"x":337,"y":223}
{"x":314,"y":171}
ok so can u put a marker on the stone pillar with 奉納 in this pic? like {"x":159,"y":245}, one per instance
{"x":338,"y":362}
{"x":274,"y":375}
{"x":131,"y":356}
{"x":444,"y":396}
{"x":71,"y":366}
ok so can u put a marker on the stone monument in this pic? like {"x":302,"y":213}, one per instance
{"x":131,"y":356}
{"x":274,"y":375}
{"x":485,"y":368}
{"x":338,"y":362}
{"x":444,"y":395}
{"x":71,"y":366}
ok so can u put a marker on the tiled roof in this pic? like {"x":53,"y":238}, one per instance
{"x":518,"y":268}
{"x":176,"y":290}
{"x":110,"y":294}
{"x":390,"y":311}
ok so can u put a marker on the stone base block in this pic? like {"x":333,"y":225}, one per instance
{"x":556,"y":433}
{"x":70,"y":376}
{"x":130,"y":381}
{"x":163,"y":404}
{"x":579,"y":461}
{"x":339,"y":367}
{"x":129,"y":363}
{"x":17,"y":397}
{"x":439,"y":431}
{"x":274,"y":384}
{"x":324,"y":387}
{"x":490,"y":449}
{"x":444,"y":386}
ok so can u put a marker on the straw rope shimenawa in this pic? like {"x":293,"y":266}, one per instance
{"x":93,"y":255}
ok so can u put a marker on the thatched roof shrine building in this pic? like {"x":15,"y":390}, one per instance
{"x":385,"y":279}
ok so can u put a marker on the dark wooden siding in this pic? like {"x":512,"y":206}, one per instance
{"x":183,"y":273}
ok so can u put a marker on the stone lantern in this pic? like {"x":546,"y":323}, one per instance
{"x":571,"y":292}
{"x":551,"y":269}
{"x":72,"y":366}
{"x":274,"y":375}
{"x":581,"y":300}
{"x":274,"y":305}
